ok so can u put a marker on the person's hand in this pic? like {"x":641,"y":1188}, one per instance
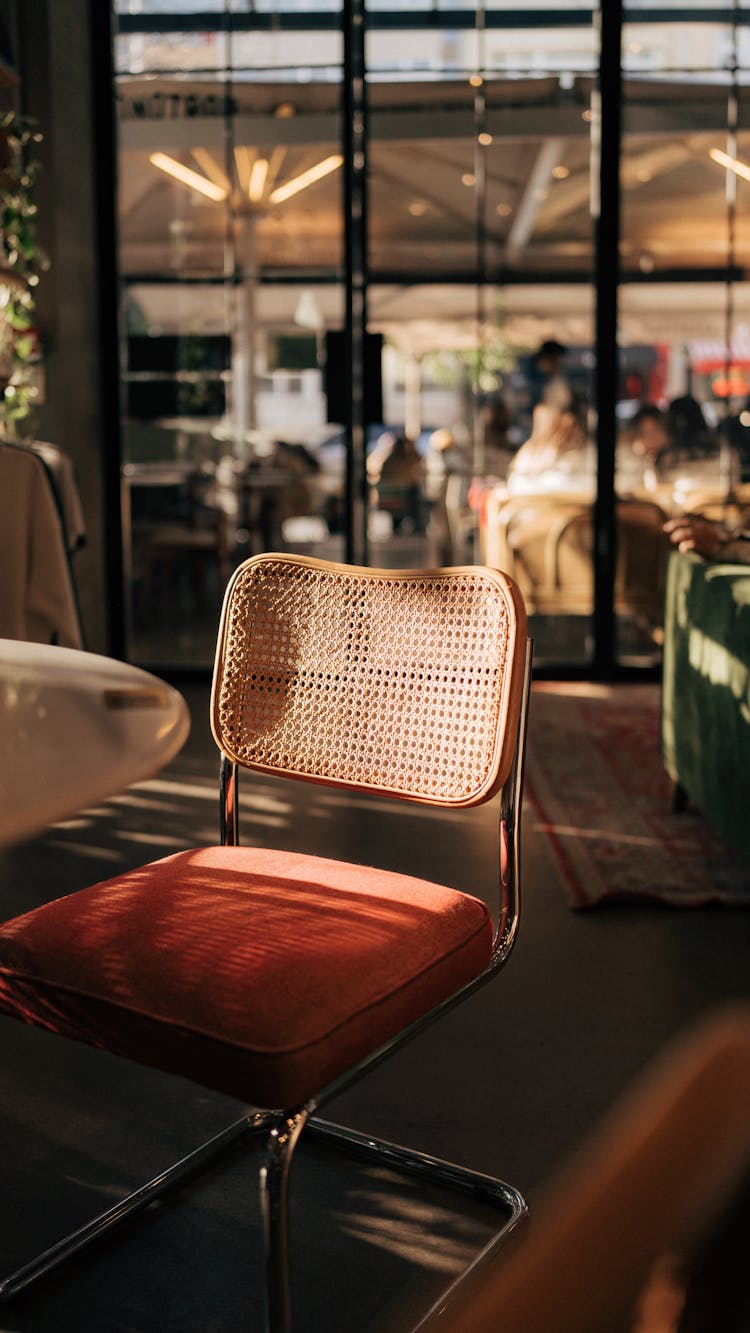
{"x":689,"y":532}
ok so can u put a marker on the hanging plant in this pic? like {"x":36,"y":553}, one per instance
{"x":21,"y":262}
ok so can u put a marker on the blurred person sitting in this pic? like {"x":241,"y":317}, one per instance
{"x":445,"y":457}
{"x":558,"y":455}
{"x":395,"y":471}
{"x":545,"y":371}
{"x":380,"y":451}
{"x":697,"y":455}
{"x":690,"y":433}
{"x":540,"y":377}
{"x":643,"y":441}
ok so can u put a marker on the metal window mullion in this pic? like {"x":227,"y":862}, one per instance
{"x":355,"y":297}
{"x":606,"y":210}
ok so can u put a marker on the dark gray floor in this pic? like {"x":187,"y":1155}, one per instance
{"x":507,"y":1084}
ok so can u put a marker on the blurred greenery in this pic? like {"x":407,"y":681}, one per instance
{"x":481,"y":368}
{"x":21,"y":262}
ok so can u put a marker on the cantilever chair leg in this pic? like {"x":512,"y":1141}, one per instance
{"x":274,"y":1182}
{"x":274,"y":1200}
{"x":274,"y":1190}
{"x":431,"y":1170}
{"x":488,"y":1189}
{"x":171,"y":1178}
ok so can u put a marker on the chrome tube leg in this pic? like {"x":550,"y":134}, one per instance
{"x":140,"y":1199}
{"x":274,"y":1202}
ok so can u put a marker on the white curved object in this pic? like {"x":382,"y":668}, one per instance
{"x":74,"y":728}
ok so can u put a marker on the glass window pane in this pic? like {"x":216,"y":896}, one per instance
{"x":671,"y":48}
{"x":674,"y":208}
{"x":537,"y":184}
{"x":677,"y":339}
{"x":422,"y":200}
{"x":466,"y":180}
{"x":230,"y":186}
{"x":481,"y":248}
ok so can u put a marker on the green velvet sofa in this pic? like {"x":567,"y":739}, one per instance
{"x":705,"y":715}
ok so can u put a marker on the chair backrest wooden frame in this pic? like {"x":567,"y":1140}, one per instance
{"x":328,"y":673}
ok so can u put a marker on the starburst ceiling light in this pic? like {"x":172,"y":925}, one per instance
{"x":257,"y":182}
{"x":244,"y":163}
{"x":731,"y":163}
{"x":305,"y":178}
{"x":210,"y":167}
{"x":256,"y":174}
{"x":187,"y":176}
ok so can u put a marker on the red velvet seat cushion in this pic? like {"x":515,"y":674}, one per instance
{"x":263,"y":974}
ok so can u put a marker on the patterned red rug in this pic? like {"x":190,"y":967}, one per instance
{"x":596,"y":786}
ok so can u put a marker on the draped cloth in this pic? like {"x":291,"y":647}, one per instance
{"x":65,"y":487}
{"x":37,"y":594}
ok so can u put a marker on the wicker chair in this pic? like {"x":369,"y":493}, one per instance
{"x":545,"y":541}
{"x":279,"y":978}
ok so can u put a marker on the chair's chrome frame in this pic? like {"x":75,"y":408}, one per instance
{"x":284,"y":1127}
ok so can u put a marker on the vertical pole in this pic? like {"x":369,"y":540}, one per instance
{"x":240,"y":269}
{"x":355,"y":297}
{"x":606,"y":136}
{"x":733,"y":116}
{"x":412,"y":395}
{"x":480,"y":203}
{"x":116,"y":528}
{"x":243,"y":347}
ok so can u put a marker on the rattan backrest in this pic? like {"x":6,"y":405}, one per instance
{"x":402,"y":682}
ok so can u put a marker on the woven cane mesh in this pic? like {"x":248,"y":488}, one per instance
{"x":395,"y":683}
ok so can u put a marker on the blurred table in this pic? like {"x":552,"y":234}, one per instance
{"x":74,"y":728}
{"x":168,"y":472}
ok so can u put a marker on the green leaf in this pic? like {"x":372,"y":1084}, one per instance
{"x":24,"y":348}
